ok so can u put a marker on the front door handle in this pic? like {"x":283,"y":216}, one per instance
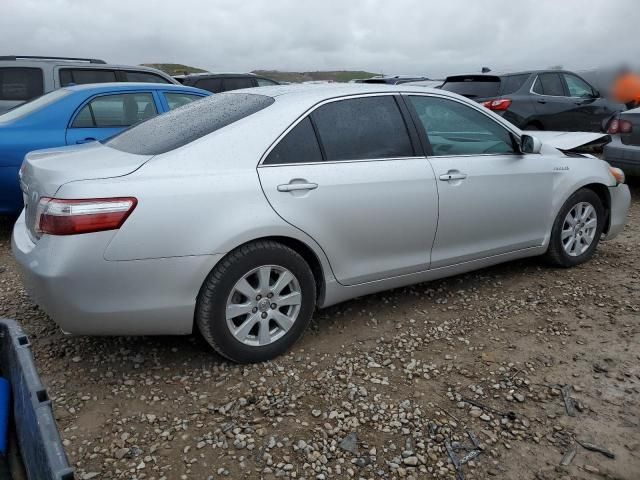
{"x":542,"y":101}
{"x":453,"y":175}
{"x":292,"y":187}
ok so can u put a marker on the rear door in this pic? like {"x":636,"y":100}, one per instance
{"x":555,"y":110}
{"x":493,"y":200}
{"x":103,"y":116}
{"x":350,"y":176}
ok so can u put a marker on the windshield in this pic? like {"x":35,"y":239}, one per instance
{"x":34,"y":105}
{"x":474,"y":86}
{"x":185,"y":124}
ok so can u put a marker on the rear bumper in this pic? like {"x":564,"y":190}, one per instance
{"x":85,"y":294}
{"x":626,"y":157}
{"x":620,"y":202}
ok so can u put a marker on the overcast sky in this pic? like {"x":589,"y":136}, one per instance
{"x":388,"y":36}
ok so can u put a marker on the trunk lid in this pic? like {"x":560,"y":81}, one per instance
{"x":43,"y":172}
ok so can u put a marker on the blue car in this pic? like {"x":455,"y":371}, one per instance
{"x":77,"y":114}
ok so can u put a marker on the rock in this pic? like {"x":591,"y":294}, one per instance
{"x":350,"y":443}
{"x":410,"y":461}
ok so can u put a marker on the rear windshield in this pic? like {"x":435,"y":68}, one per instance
{"x":33,"y":106}
{"x":185,"y":124}
{"x":476,"y":86}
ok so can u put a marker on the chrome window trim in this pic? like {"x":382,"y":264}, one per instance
{"x":309,"y":111}
{"x":544,"y":95}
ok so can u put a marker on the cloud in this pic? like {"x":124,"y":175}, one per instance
{"x":403,"y":36}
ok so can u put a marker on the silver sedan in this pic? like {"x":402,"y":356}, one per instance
{"x":241,"y":213}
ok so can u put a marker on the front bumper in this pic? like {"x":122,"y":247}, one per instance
{"x":626,"y":157}
{"x":88,"y":295}
{"x":620,"y":202}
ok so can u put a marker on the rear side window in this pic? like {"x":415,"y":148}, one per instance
{"x":476,"y":86}
{"x":211,"y":84}
{"x":237,"y":83}
{"x":116,"y":111}
{"x":146,"y":77}
{"x":265,"y":82}
{"x":184,"y":125}
{"x":81,"y":76}
{"x":512,"y":83}
{"x":20,"y":84}
{"x":300,"y":145}
{"x":176,"y":100}
{"x":362,"y":128}
{"x":549,"y":84}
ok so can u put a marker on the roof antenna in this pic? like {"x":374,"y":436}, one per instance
{"x":486,"y":69}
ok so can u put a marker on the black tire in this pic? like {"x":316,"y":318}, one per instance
{"x":556,"y":254}
{"x":211,"y":303}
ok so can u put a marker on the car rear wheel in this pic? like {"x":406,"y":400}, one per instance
{"x":256,"y":302}
{"x":577,"y":229}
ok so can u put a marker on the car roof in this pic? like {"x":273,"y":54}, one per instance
{"x":211,"y":74}
{"x":505,"y":74}
{"x":124,"y":86}
{"x":319,"y":92}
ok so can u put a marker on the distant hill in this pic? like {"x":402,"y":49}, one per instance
{"x":297,"y":77}
{"x":292,"y":77}
{"x":174,"y":68}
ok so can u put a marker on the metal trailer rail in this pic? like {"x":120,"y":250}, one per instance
{"x":38,"y":437}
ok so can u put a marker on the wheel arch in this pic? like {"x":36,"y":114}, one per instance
{"x":605,"y":197}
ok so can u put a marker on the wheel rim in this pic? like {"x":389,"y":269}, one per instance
{"x":263,"y":305}
{"x":579,"y":229}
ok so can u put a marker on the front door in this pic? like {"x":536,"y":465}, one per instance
{"x":106,"y":115}
{"x":348,"y":176}
{"x":493,"y":200}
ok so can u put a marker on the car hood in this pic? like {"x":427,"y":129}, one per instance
{"x":572,"y":141}
{"x":49,"y":169}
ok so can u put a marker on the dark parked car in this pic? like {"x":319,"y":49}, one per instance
{"x":223,"y":82}
{"x":538,"y":100}
{"x":396,"y":80}
{"x":624,"y":149}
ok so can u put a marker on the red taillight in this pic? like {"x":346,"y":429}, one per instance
{"x":499,"y":105}
{"x":56,"y":216}
{"x":619,"y":126}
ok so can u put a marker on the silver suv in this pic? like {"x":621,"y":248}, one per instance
{"x":23,"y":78}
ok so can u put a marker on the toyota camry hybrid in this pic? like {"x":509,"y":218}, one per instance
{"x":241,"y":213}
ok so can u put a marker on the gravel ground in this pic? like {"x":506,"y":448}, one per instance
{"x":379,"y":387}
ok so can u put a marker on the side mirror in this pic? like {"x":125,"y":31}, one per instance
{"x":530,"y":144}
{"x":595,"y":93}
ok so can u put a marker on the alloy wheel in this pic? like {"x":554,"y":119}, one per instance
{"x":263,"y":305}
{"x":579,"y":229}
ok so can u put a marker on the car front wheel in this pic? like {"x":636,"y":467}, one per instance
{"x":256,"y":302}
{"x":577,"y":229}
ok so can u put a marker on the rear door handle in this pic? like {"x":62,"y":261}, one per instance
{"x":453,"y":176}
{"x":542,"y":101}
{"x":292,"y":187}
{"x":86,"y":140}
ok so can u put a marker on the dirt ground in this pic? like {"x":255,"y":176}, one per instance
{"x":379,"y":387}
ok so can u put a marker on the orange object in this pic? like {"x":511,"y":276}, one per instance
{"x":627,"y":88}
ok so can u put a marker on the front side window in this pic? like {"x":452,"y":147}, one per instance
{"x":300,"y":145}
{"x":457,"y":129}
{"x":577,"y":87}
{"x":176,"y":100}
{"x":549,"y":84}
{"x":116,"y":111}
{"x":81,"y":76}
{"x":362,"y":128}
{"x":20,"y":84}
{"x":145,"y":77}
